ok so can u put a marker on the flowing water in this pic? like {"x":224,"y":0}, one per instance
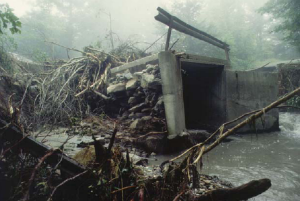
{"x":267,"y":155}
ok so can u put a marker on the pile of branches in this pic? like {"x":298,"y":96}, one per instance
{"x":63,"y":91}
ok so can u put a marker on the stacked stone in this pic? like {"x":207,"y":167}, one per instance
{"x":139,"y":95}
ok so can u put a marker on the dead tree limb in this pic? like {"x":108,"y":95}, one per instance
{"x":34,"y":172}
{"x":64,"y":182}
{"x":250,"y":119}
{"x":112,"y":139}
{"x":243,"y":192}
{"x":101,"y":95}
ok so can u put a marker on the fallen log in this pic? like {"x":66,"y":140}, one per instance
{"x":257,"y":114}
{"x":28,"y":144}
{"x":243,"y":192}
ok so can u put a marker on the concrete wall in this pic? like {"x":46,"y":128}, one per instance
{"x":248,"y":91}
{"x":173,"y":93}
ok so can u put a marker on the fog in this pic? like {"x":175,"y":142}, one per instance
{"x":107,"y":24}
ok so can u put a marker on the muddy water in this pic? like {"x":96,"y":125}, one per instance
{"x":269,"y":155}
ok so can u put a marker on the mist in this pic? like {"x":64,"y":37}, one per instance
{"x":111,"y":24}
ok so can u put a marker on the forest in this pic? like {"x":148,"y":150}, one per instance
{"x":87,"y":101}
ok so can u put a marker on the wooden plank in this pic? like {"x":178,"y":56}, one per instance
{"x":135,"y":63}
{"x":38,"y":149}
{"x":177,"y":24}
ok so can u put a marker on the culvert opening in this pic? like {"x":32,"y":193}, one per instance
{"x":203,"y":95}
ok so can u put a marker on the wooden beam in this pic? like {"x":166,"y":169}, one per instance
{"x":177,"y":24}
{"x":143,"y":61}
{"x":243,"y":192}
{"x":37,"y":149}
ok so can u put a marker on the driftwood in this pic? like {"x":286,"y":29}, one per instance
{"x":243,"y":192}
{"x":37,"y":149}
{"x":231,"y":131}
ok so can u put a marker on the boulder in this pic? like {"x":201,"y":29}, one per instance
{"x":116,"y":88}
{"x":153,"y":143}
{"x":137,"y":124}
{"x":132,"y":84}
{"x":146,"y":80}
{"x":149,"y":81}
{"x":146,"y":118}
{"x":132,"y":100}
{"x":138,"y":75}
{"x":159,"y":105}
{"x":137,"y":108}
{"x":128,"y":75}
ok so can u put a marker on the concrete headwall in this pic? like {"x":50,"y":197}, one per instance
{"x":248,"y":91}
{"x":173,"y":93}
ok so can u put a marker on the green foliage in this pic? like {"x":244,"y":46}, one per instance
{"x":7,"y":44}
{"x":287,"y":16}
{"x":8,"y":20}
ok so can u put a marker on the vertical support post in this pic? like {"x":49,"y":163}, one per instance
{"x":227,"y":58}
{"x":173,"y":93}
{"x":168,"y":39}
{"x":169,"y":34}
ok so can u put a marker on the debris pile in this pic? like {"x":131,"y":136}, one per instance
{"x":140,"y":100}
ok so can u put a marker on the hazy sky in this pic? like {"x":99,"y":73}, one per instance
{"x":129,"y":17}
{"x":19,"y":6}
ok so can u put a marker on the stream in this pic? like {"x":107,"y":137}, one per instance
{"x":248,"y":157}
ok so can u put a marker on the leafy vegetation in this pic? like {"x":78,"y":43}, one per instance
{"x":8,"y":20}
{"x":286,"y":15}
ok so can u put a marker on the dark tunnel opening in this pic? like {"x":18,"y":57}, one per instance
{"x":203,"y":94}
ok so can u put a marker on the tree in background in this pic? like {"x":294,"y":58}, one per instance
{"x":70,"y":23}
{"x":235,"y":22}
{"x":8,"y":21}
{"x":286,"y":15}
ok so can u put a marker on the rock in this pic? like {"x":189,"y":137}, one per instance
{"x":128,"y":75}
{"x":153,"y":154}
{"x":146,"y":118}
{"x":116,"y":88}
{"x":142,"y":162}
{"x":138,"y":75}
{"x":146,"y":110}
{"x":196,"y":136}
{"x":159,"y":105}
{"x":137,"y":124}
{"x":207,"y":181}
{"x":140,"y":115}
{"x":137,"y":108}
{"x":131,"y":115}
{"x":149,"y":68}
{"x":132,"y":100}
{"x":147,"y":79}
{"x":155,"y":143}
{"x":132,"y":84}
{"x":133,"y":157}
